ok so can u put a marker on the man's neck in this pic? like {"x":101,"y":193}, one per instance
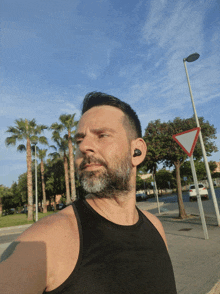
{"x":120,"y":210}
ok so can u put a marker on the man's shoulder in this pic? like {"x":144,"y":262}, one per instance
{"x":56,"y":224}
{"x":34,"y":260}
{"x":152,"y":218}
{"x":156,"y":222}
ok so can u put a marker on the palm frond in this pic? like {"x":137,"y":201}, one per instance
{"x":39,"y":129}
{"x":42,"y":153}
{"x":57,"y":127}
{"x":21,"y":148}
{"x":66,"y":137}
{"x":34,"y":139}
{"x":67,"y":120}
{"x":32,"y":123}
{"x":11,"y":140}
{"x":43,"y":140}
{"x":53,"y":147}
{"x":33,"y":149}
{"x":56,"y":136}
{"x":12,"y":130}
{"x":54,"y":155}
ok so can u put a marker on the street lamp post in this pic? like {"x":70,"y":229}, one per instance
{"x":36,"y":196}
{"x":192,"y":58}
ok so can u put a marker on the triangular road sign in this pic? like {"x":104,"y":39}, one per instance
{"x":187,"y":140}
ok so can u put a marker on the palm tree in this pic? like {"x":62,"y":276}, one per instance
{"x":42,"y":154}
{"x":26,"y":130}
{"x":62,"y":145}
{"x":68,"y":123}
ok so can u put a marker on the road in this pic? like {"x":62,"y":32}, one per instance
{"x":171,"y":204}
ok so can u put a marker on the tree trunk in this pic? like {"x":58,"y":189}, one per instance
{"x":0,"y":206}
{"x":43,"y":187}
{"x":29,"y":182}
{"x":68,"y":200}
{"x":182,"y":212}
{"x":54,"y":205}
{"x":72,"y":172}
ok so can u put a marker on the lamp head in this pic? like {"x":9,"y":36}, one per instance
{"x":191,"y":57}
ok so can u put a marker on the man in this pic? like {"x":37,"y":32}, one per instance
{"x":103,"y":244}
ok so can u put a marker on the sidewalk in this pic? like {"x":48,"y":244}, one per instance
{"x":196,"y":261}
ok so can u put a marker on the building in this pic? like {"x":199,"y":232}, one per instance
{"x":217,"y":170}
{"x":145,"y":176}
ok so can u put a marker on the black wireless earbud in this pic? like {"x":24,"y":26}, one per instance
{"x":137,"y":152}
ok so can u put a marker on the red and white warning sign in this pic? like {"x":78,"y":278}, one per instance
{"x":187,"y":140}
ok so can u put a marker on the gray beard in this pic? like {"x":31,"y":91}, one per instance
{"x":108,"y":183}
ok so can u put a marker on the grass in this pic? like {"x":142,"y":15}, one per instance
{"x":19,"y":219}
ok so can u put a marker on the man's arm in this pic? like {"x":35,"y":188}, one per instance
{"x":23,"y":268}
{"x":24,"y":264}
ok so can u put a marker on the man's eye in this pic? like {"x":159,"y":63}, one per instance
{"x":78,"y":142}
{"x":103,"y":135}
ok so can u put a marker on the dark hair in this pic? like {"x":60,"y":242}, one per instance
{"x":93,"y":99}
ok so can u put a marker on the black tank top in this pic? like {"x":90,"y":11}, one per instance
{"x":116,"y":259}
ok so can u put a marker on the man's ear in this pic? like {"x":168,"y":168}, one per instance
{"x":138,"y":157}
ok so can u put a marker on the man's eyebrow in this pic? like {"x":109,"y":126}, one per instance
{"x":95,"y":131}
{"x":78,"y":135}
{"x":104,"y":129}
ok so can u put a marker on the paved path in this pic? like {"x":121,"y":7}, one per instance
{"x":196,"y":261}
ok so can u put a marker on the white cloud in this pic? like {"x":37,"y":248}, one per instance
{"x":71,"y":108}
{"x":170,"y":34}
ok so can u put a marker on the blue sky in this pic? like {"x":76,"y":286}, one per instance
{"x":53,"y":52}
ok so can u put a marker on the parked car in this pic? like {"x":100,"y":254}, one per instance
{"x":61,"y":206}
{"x":24,"y":210}
{"x":202,"y":191}
{"x":9,"y":211}
{"x":141,"y":197}
{"x":12,"y":211}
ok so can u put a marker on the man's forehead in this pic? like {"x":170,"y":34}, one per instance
{"x":103,"y":113}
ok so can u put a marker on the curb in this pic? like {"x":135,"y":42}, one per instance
{"x":15,"y":227}
{"x":148,"y":206}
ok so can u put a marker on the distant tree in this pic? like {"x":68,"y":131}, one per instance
{"x":22,"y":187}
{"x":62,"y":147}
{"x":186,"y":171}
{"x":165,"y":179}
{"x":155,"y":152}
{"x":6,"y":199}
{"x":69,"y":124}
{"x":159,"y":136}
{"x":139,"y":183}
{"x":2,"y":190}
{"x":143,"y":184}
{"x":41,"y":153}
{"x":17,"y":197}
{"x":29,"y":131}
{"x":216,"y":175}
{"x":55,"y":178}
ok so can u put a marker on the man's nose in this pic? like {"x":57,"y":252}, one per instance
{"x":87,"y":145}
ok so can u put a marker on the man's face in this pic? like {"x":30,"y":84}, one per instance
{"x":103,"y":156}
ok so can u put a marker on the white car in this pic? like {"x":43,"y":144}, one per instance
{"x":202,"y":191}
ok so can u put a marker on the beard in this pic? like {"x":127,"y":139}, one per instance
{"x":108,"y":181}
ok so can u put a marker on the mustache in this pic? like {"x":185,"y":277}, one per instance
{"x":89,"y":160}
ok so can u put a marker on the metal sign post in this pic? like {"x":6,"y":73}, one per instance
{"x":199,"y":198}
{"x":187,"y":140}
{"x":156,"y":194}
